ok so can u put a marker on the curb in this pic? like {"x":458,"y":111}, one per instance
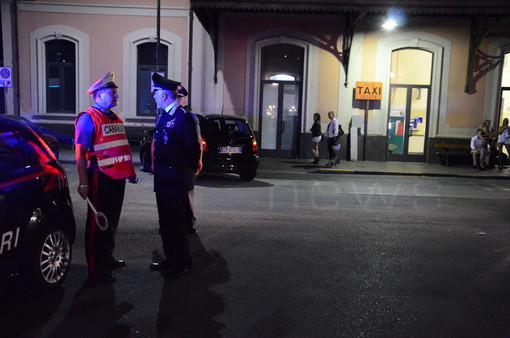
{"x":399,"y":173}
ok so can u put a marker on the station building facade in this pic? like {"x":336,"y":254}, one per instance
{"x":442,"y":70}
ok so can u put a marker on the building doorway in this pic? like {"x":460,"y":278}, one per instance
{"x":409,"y":102}
{"x":408,"y":123}
{"x":280,"y":119}
{"x":280,"y":100}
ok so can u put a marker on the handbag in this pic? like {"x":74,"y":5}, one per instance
{"x":340,"y":133}
{"x":340,"y":130}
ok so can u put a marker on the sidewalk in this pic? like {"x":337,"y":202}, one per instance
{"x":297,"y":166}
{"x":381,"y":168}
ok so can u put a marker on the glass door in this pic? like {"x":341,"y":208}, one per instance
{"x":408,"y":123}
{"x":280,"y":119}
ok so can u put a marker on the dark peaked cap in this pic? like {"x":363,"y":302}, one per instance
{"x":181,"y":91}
{"x":163,"y":83}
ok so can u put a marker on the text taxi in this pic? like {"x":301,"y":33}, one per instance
{"x":37,"y":226}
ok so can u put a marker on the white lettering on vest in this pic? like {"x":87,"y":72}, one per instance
{"x":113,"y":129}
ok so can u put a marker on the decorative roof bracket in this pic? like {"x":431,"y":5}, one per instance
{"x":480,"y":63}
{"x":350,"y":28}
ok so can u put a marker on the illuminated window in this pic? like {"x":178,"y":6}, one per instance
{"x":505,"y":90}
{"x":282,"y":63}
{"x":60,"y":76}
{"x":282,"y":77}
{"x":404,"y":69}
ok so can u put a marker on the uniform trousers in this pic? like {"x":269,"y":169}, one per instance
{"x":174,"y":215}
{"x":107,"y":195}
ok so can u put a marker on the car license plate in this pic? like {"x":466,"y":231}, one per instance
{"x":231,"y":150}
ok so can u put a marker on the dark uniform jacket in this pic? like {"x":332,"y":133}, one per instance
{"x":176,"y":151}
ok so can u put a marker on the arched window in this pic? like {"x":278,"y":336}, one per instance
{"x":60,"y":76}
{"x":281,"y":74}
{"x":59,"y":66}
{"x":408,"y":116}
{"x":147,"y":64}
{"x":139,"y":50}
{"x":282,"y":62}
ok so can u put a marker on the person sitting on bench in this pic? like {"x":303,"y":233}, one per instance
{"x":480,"y":150}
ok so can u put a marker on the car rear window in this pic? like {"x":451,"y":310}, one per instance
{"x":226,"y":127}
{"x":19,"y":149}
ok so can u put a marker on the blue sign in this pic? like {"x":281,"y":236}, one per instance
{"x":5,"y":77}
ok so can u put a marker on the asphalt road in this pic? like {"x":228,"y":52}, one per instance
{"x":299,"y":255}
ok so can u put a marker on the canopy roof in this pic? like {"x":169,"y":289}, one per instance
{"x":411,"y":7}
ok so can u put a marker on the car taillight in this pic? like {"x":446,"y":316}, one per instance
{"x":204,"y":145}
{"x":254,"y":146}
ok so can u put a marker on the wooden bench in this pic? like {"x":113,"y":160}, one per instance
{"x":447,"y":150}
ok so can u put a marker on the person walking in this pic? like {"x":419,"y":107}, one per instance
{"x":316,"y":137}
{"x":332,"y":136}
{"x":103,"y":162}
{"x":176,"y":153}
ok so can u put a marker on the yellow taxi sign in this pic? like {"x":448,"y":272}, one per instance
{"x":368,"y":91}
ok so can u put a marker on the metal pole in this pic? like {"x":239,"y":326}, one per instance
{"x":190,"y":55}
{"x":16,"y":77}
{"x":158,"y":29}
{"x":365,"y":128}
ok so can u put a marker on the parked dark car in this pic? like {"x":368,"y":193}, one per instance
{"x":37,"y":225}
{"x":228,"y":143}
{"x":50,"y":140}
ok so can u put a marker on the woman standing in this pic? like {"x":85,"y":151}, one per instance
{"x":316,"y":137}
{"x":332,"y":135}
{"x":503,"y":139}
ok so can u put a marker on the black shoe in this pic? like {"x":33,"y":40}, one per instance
{"x":158,"y":266}
{"x":192,"y":231}
{"x":177,"y":273}
{"x":118,"y":263}
{"x":315,"y":161}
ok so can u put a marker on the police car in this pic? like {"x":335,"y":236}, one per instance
{"x":37,"y":225}
{"x":50,"y":139}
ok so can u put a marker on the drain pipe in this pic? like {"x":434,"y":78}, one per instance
{"x":190,"y":55}
{"x":15,"y":61}
{"x":158,"y":29}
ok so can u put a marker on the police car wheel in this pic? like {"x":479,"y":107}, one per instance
{"x":51,"y":258}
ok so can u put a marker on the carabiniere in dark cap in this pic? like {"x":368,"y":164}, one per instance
{"x":161,"y":83}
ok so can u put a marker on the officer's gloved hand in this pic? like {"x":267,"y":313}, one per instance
{"x":133,"y":179}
